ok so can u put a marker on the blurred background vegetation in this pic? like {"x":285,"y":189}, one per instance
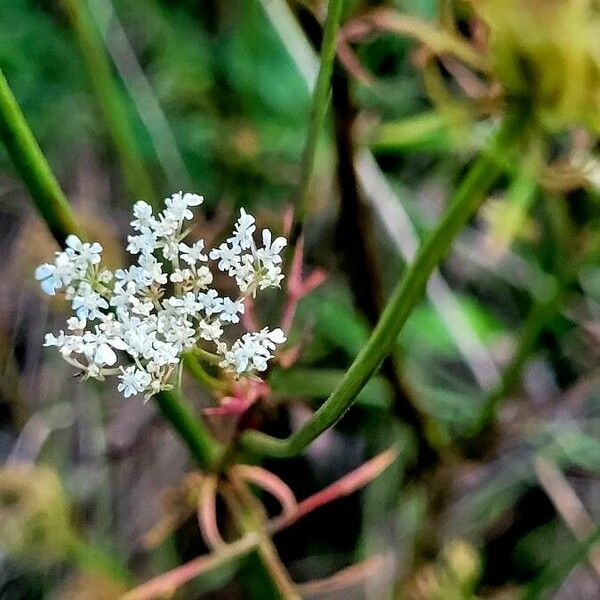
{"x":138,"y":99}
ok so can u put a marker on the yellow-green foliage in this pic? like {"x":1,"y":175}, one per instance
{"x":547,"y":53}
{"x":34,"y":514}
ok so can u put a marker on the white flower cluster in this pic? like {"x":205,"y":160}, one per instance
{"x":164,"y":304}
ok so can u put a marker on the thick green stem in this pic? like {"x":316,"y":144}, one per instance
{"x":319,"y":103}
{"x":203,"y":447}
{"x":33,"y":169}
{"x":409,"y":291}
{"x":110,"y":100}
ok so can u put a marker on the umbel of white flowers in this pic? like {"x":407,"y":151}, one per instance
{"x":137,"y":322}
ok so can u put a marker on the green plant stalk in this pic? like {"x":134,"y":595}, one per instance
{"x":320,"y":100}
{"x":409,"y":291}
{"x":33,"y":169}
{"x":56,"y":212}
{"x":110,"y":100}
{"x":195,"y":368}
{"x":207,"y":451}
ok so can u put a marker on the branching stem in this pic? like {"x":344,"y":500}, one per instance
{"x":409,"y":291}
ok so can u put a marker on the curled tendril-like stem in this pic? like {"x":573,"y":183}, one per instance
{"x":207,"y":513}
{"x":211,"y":486}
{"x":167,"y":583}
{"x":270,"y":483}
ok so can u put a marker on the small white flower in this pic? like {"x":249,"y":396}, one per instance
{"x":203,"y":277}
{"x":105,"y":355}
{"x":133,"y":381}
{"x":181,"y":275}
{"x":244,"y":228}
{"x":49,"y":278}
{"x":152,"y":270}
{"x":88,"y":253}
{"x":142,"y":212}
{"x":154,"y":322}
{"x":52,"y":340}
{"x":177,"y":206}
{"x":144,"y":243}
{"x":271,"y":249}
{"x":186,"y":305}
{"x":210,"y":331}
{"x":76,"y":324}
{"x":231,"y":310}
{"x":277,"y":336}
{"x":88,"y":304}
{"x":210,"y":302}
{"x":192,"y":254}
{"x":228,"y":257}
{"x":193,"y":199}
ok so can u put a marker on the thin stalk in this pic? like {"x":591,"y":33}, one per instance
{"x":202,"y":445}
{"x":320,"y":100}
{"x":251,"y":518}
{"x":164,"y":586}
{"x":196,"y":370}
{"x":33,"y":168}
{"x":409,"y":291}
{"x":110,"y":100}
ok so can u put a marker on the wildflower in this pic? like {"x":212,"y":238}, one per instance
{"x":139,"y":320}
{"x":192,"y":254}
{"x":133,"y":381}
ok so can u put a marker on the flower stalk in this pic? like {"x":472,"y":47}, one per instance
{"x":205,"y":449}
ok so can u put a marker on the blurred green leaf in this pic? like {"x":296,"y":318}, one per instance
{"x":428,"y":131}
{"x":425,"y":330}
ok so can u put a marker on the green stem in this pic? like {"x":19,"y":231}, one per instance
{"x":194,"y":367}
{"x":110,"y":100}
{"x":33,"y":169}
{"x":204,"y":448}
{"x":409,"y":291}
{"x":209,"y":357}
{"x":320,"y":100}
